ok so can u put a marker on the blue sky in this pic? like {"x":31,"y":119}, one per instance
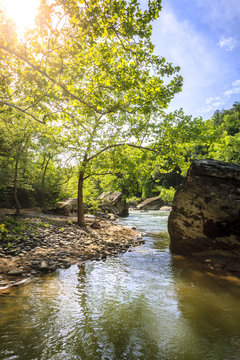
{"x":203,"y":38}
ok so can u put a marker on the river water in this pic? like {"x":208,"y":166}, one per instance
{"x":143,"y":304}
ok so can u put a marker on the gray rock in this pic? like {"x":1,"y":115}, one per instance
{"x":15,"y":272}
{"x":43,"y":266}
{"x":205,"y":217}
{"x":66,"y":208}
{"x":154,"y":203}
{"x":66,"y":263}
{"x":114,"y":203}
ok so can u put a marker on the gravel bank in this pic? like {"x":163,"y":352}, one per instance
{"x":49,"y":243}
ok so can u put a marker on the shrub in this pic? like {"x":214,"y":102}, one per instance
{"x":166,"y":194}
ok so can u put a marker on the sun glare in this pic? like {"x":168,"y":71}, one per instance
{"x":22,"y":12}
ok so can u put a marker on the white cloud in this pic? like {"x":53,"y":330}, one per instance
{"x":212,"y":100}
{"x":218,"y":103}
{"x":228,"y":43}
{"x":232,"y":91}
{"x":180,"y":43}
{"x":236,"y":83}
{"x":209,"y":100}
{"x":213,"y":103}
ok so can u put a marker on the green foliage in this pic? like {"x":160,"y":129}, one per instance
{"x":83,"y":111}
{"x":165,"y":194}
{"x":94,"y":82}
{"x":134,"y":199}
{"x":3,"y":230}
{"x":91,"y":193}
{"x":226,"y":144}
{"x":43,"y":224}
{"x":11,"y":228}
{"x":226,"y":149}
{"x":147,"y":188}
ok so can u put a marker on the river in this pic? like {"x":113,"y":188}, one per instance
{"x":143,"y":304}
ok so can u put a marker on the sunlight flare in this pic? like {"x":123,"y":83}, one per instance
{"x":22,"y":12}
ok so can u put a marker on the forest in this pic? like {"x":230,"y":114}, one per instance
{"x":86,"y":108}
{"x":84,"y":103}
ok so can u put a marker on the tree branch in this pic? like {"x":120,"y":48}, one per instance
{"x":63,"y":87}
{"x":118,"y":145}
{"x":79,"y":124}
{"x":98,"y":174}
{"x":22,"y":110}
{"x":40,"y":98}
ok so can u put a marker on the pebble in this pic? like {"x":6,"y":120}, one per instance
{"x":15,"y":272}
{"x":43,"y":266}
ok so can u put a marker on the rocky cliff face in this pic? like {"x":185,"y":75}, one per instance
{"x":205,"y":219}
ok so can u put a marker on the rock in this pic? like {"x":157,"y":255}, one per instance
{"x":205,"y":217}
{"x":15,"y":272}
{"x":233,"y":267}
{"x":113,"y":202}
{"x":67,"y":263}
{"x":133,"y":204}
{"x":67,"y":207}
{"x":43,"y":266}
{"x":112,"y":217}
{"x":165,"y":208}
{"x":95,"y":224}
{"x":154,"y":203}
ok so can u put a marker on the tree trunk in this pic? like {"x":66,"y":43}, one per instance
{"x":81,"y":221}
{"x":43,"y":186}
{"x":15,"y":185}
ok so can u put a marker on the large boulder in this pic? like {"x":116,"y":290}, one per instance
{"x":66,"y":208}
{"x":113,"y":202}
{"x":154,"y":203}
{"x":205,"y":217}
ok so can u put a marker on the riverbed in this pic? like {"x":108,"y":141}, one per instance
{"x":143,"y":304}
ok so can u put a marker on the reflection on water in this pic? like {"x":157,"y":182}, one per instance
{"x":141,"y":305}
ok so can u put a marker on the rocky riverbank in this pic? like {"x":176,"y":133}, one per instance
{"x":40,"y":244}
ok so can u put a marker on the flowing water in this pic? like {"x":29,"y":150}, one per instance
{"x":143,"y":304}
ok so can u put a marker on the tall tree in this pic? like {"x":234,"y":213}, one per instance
{"x":91,"y":64}
{"x":18,"y":136}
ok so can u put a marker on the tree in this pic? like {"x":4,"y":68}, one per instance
{"x":176,"y":139}
{"x":226,"y":143}
{"x":91,"y":67}
{"x":18,"y":135}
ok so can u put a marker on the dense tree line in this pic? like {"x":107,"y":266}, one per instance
{"x":82,"y":108}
